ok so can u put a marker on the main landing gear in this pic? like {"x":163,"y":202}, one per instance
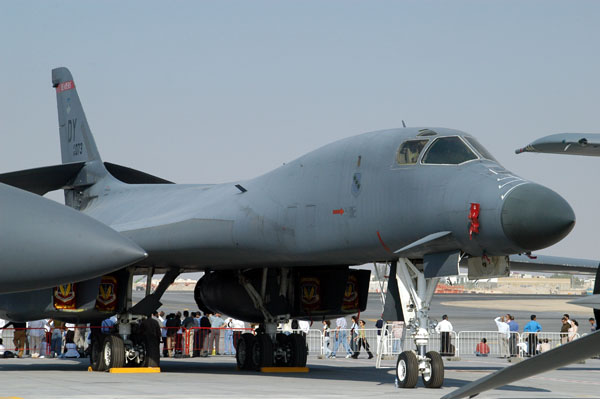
{"x":268,"y":349}
{"x":136,"y":341}
{"x":139,"y":348}
{"x":416,"y":293}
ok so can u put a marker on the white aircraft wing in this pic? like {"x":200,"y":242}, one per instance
{"x":566,"y":143}
{"x":553,"y":264}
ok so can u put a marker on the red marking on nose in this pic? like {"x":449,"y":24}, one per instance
{"x":383,"y":243}
{"x":338,"y":211}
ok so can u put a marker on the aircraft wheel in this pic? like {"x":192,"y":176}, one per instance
{"x":434,"y":376}
{"x":407,"y":369}
{"x":293,"y":348}
{"x":96,"y":358}
{"x":300,"y":349}
{"x":113,"y":352}
{"x":262,"y":352}
{"x":150,"y":341}
{"x":151,"y":346}
{"x":243,"y":352}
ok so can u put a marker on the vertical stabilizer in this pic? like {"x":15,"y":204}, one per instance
{"x":76,"y":140}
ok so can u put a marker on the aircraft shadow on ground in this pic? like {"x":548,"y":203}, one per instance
{"x":457,"y":383}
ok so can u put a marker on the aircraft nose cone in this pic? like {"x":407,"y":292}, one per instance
{"x":43,"y":244}
{"x":535,"y":217}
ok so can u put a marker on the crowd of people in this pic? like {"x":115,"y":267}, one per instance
{"x":352,"y":340}
{"x":41,"y":338}
{"x":198,"y":335}
{"x":508,"y":330}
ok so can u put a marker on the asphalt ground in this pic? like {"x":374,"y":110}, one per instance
{"x":217,"y":377}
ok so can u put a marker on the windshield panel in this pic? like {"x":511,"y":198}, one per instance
{"x":448,"y":151}
{"x":480,"y":149}
{"x":409,"y":152}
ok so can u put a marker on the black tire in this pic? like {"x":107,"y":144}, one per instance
{"x":301,"y":350}
{"x":293,"y":348}
{"x":407,"y":369}
{"x":152,"y":346}
{"x":113,"y":352}
{"x":435,"y":379}
{"x":96,"y":359}
{"x":262,"y":352}
{"x":243,"y":351}
{"x":150,"y":337}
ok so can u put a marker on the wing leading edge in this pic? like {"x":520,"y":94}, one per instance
{"x":553,"y":264}
{"x":566,"y":143}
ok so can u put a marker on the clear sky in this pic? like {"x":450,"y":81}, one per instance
{"x":208,"y":92}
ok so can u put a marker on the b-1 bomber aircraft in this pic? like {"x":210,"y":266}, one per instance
{"x":280,"y":245}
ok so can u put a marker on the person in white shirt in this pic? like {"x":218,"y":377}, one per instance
{"x":37,"y":332}
{"x":444,"y":327}
{"x":229,"y":348}
{"x":238,"y":330}
{"x":504,"y":334}
{"x":341,"y":336}
{"x":326,"y":331}
{"x":304,"y":326}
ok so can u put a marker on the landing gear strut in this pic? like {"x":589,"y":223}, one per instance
{"x":269,"y":348}
{"x":416,"y":293}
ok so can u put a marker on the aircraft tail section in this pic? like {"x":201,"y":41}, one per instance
{"x":76,"y":141}
{"x":77,"y":144}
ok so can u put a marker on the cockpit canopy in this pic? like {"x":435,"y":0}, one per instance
{"x":448,"y":151}
{"x":451,"y":150}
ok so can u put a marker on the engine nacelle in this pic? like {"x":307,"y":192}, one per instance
{"x":306,"y":293}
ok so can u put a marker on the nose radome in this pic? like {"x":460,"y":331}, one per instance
{"x":535,"y":217}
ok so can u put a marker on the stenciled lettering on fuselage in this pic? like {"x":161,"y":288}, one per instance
{"x":107,"y":294}
{"x":310,"y":287}
{"x":350,"y":302}
{"x":356,"y":184}
{"x":64,"y":296}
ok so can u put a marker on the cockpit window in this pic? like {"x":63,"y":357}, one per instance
{"x":480,"y":149}
{"x":409,"y":151}
{"x":448,"y":150}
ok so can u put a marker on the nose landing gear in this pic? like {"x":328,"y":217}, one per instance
{"x":416,"y":293}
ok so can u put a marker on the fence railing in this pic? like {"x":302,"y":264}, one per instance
{"x":387,"y":342}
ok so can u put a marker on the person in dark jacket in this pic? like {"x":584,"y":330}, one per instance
{"x":173,"y":324}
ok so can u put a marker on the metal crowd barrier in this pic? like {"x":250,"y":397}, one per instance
{"x":386,"y":343}
{"x":518,"y":344}
{"x":499,"y":344}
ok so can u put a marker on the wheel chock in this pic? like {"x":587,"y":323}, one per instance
{"x":130,"y":370}
{"x":284,"y":369}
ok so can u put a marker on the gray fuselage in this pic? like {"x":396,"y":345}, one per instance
{"x":293,"y":215}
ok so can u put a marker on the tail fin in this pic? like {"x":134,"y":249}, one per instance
{"x":76,"y":140}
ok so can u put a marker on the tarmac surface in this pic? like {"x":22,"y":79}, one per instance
{"x":217,"y":377}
